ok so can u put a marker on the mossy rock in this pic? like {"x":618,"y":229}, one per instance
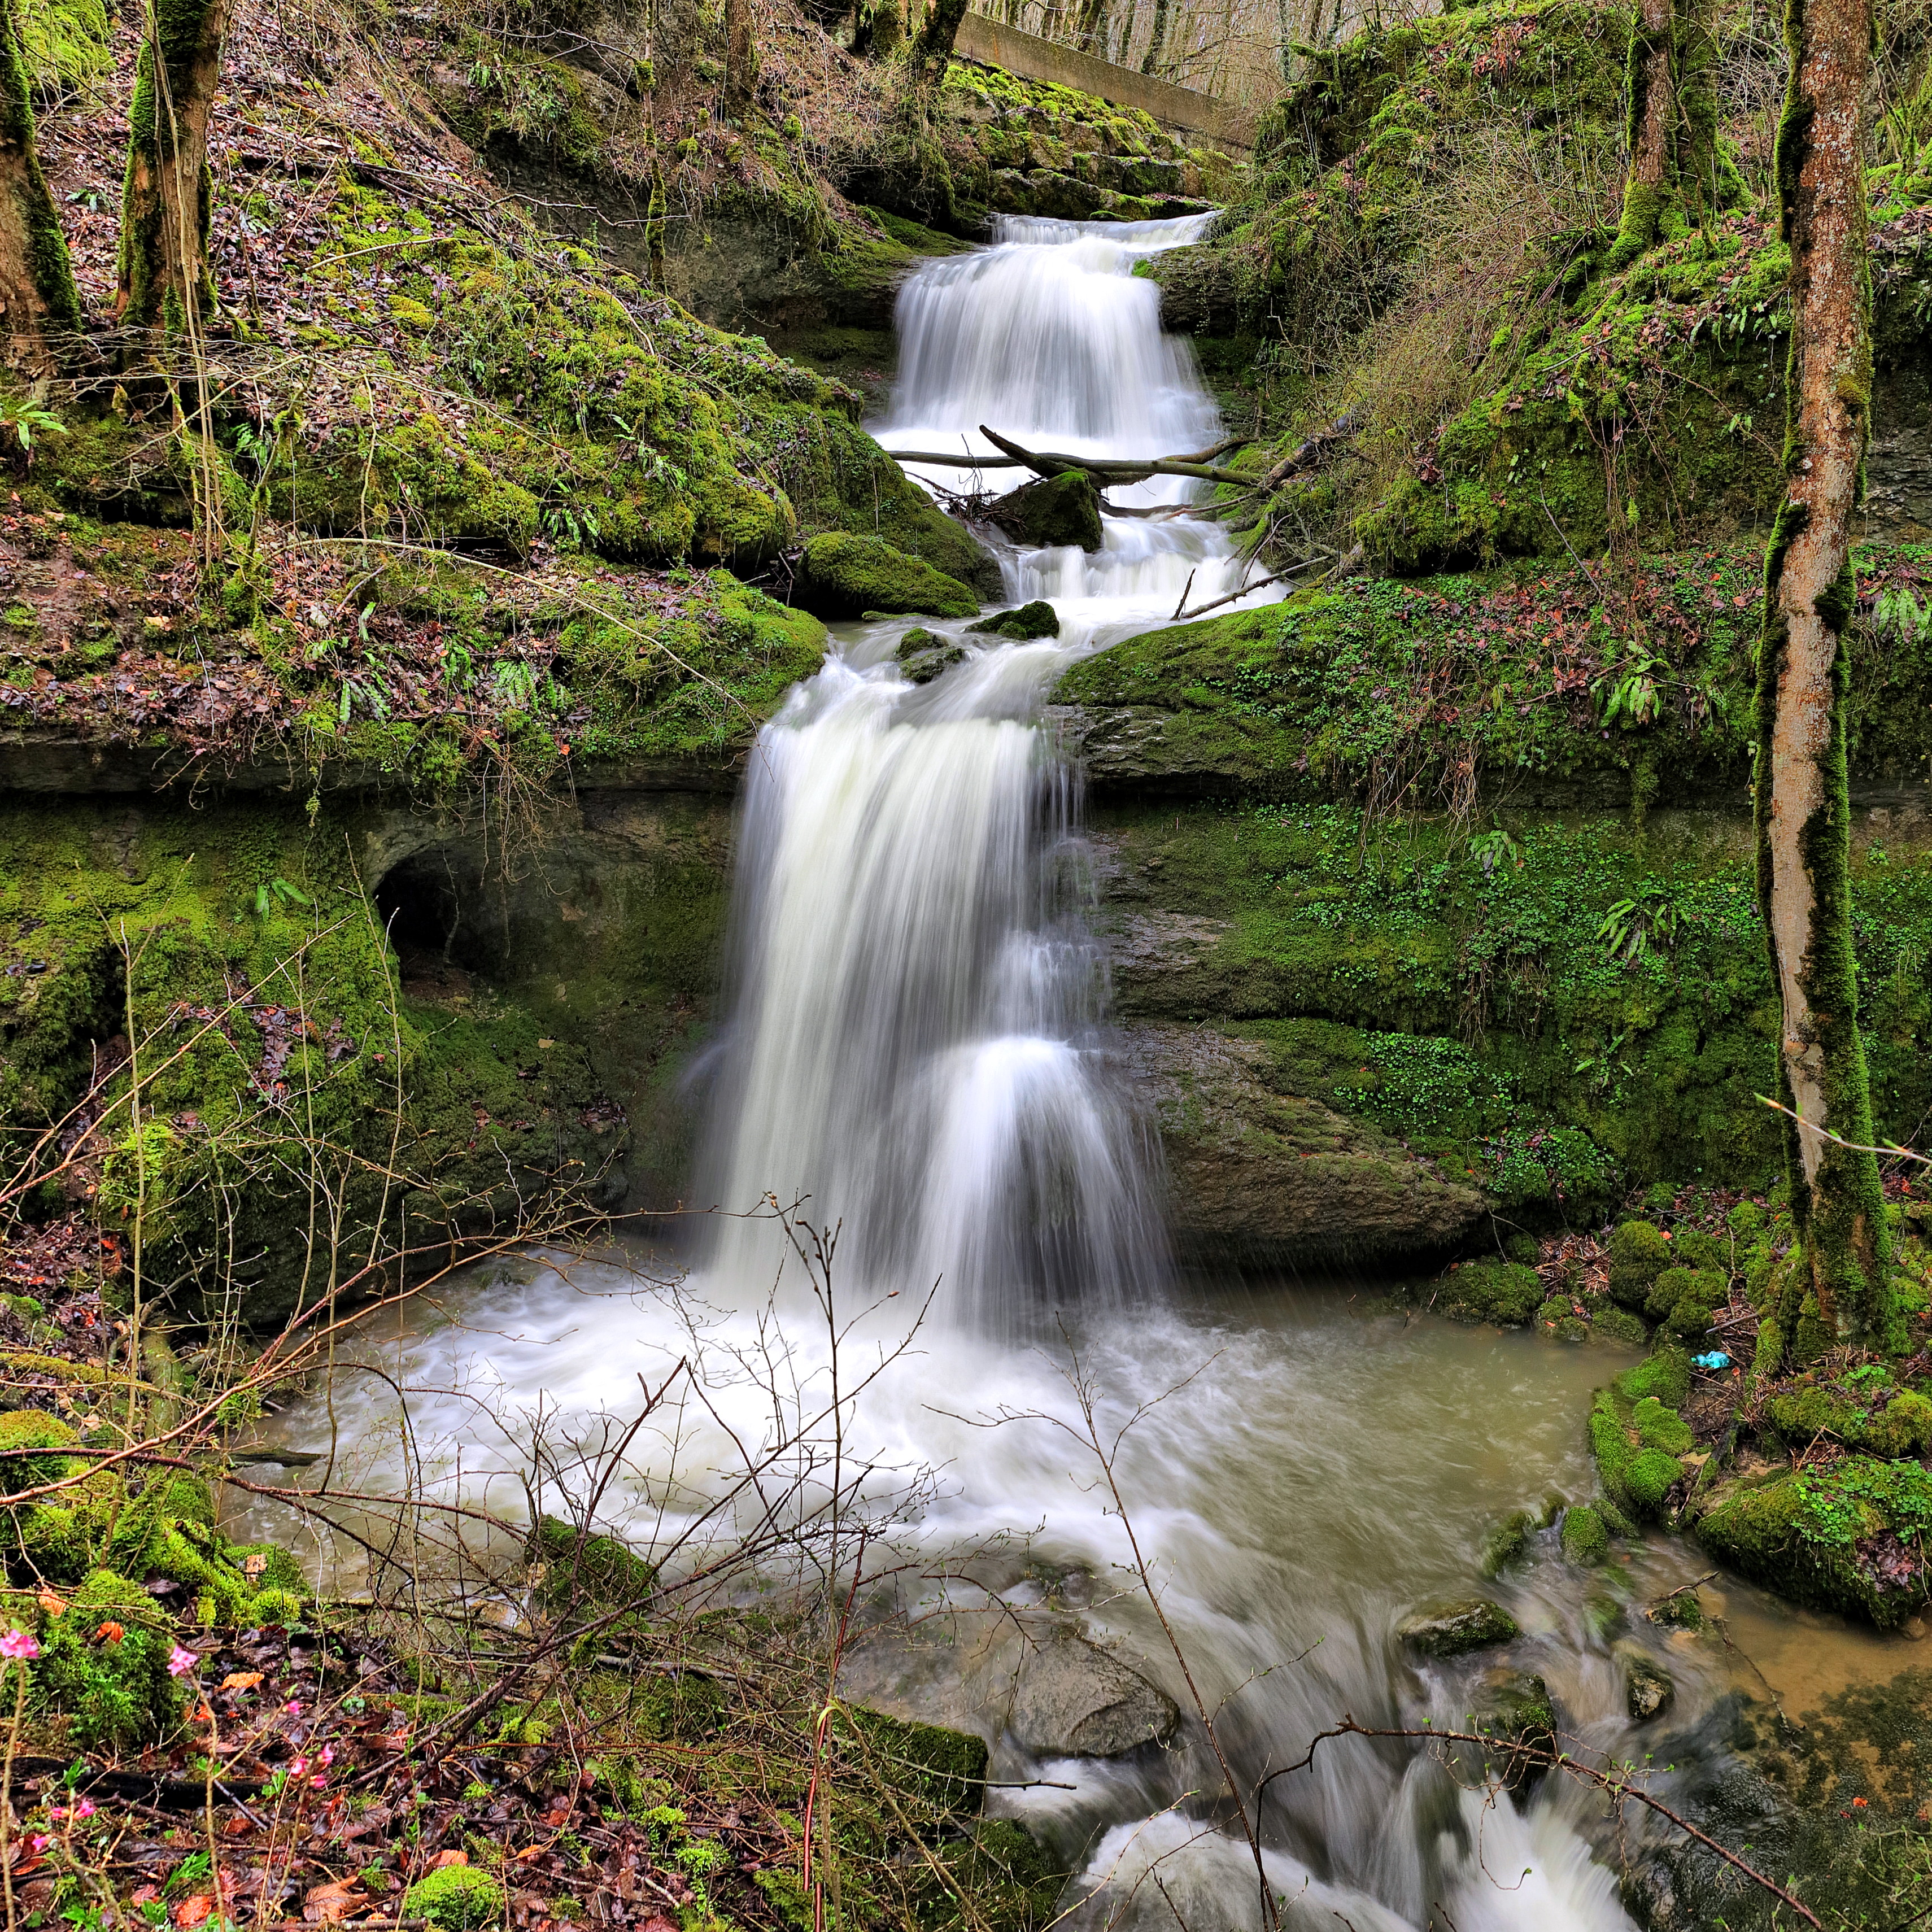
{"x":1890,"y":1426}
{"x":1504,"y":1292}
{"x":114,"y":1689}
{"x":1514,"y":1707}
{"x":922,"y":654}
{"x":1639,"y":1254}
{"x":1846,"y":1537}
{"x":1637,"y":1437}
{"x":1618,"y":1325}
{"x":600,"y":1568}
{"x":25,"y":1430}
{"x":944,"y":1771}
{"x":1054,"y":512}
{"x":1585,"y":1540}
{"x":1036,"y":619}
{"x":840,"y":575}
{"x":1505,"y":1543}
{"x":1449,"y":1629}
{"x":456,"y":1898}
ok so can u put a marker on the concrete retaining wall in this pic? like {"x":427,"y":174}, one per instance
{"x":1202,"y":115}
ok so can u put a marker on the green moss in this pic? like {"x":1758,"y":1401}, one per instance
{"x":25,"y":1430}
{"x":457,"y":1898}
{"x":1507,"y":1542}
{"x":1879,"y":1420}
{"x":945,"y":1770}
{"x":115,"y":1690}
{"x":844,"y":576}
{"x":1831,"y":1537}
{"x":1585,"y":1539}
{"x":1637,"y":1435}
{"x":600,"y":1567}
{"x":1501,"y":1291}
{"x":1639,"y":1254}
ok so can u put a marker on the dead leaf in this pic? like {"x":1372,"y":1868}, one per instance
{"x":528,"y":1852}
{"x":194,"y":1911}
{"x":242,"y":1680}
{"x":253,"y":1566}
{"x":328,"y":1904}
{"x":452,"y":1857}
{"x":54,"y":1606}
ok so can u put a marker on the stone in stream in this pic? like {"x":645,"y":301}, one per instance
{"x":1514,"y":1707}
{"x":1649,"y":1691}
{"x":1036,"y":619}
{"x":1507,"y":1542}
{"x":922,"y":655}
{"x":1055,"y":511}
{"x":1074,"y":1700}
{"x":1449,"y":1629}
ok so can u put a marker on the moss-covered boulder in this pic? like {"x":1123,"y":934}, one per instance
{"x":1506,"y":1544}
{"x":944,"y":1771}
{"x":1504,"y":1292}
{"x":1847,"y":1536}
{"x":1449,"y":1629}
{"x":1639,"y":1252}
{"x":597,"y":1568}
{"x":1637,"y":1436}
{"x":1865,"y":1411}
{"x":1056,"y":511}
{"x":103,"y":1665}
{"x":840,"y":575}
{"x":1036,"y":619}
{"x":1585,"y":1537}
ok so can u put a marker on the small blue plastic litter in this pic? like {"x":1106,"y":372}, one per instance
{"x":1716,"y":1359}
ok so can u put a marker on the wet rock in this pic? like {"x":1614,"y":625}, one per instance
{"x":1450,"y":1629}
{"x":1507,"y":1542}
{"x":1036,"y":619}
{"x":1585,"y":1539}
{"x":1073,"y":1700}
{"x":1649,"y":1691}
{"x":1683,"y":1611}
{"x":1256,"y":1174}
{"x":1055,"y":511}
{"x":840,"y":575}
{"x":1514,"y":1708}
{"x":922,"y":656}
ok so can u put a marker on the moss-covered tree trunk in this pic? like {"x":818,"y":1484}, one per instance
{"x":932,"y":49}
{"x":1651,"y":88}
{"x":741,"y":59}
{"x":39,"y":306}
{"x":164,"y":206}
{"x":877,"y":27}
{"x":1802,"y":807}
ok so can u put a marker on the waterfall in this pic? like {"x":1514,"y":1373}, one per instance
{"x":917,"y":1043}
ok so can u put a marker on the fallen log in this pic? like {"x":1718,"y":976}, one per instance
{"x":1108,"y":471}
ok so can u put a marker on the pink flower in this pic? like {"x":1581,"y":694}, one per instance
{"x":297,"y":1766}
{"x":39,"y":1841}
{"x":328,"y":1755}
{"x":19,"y":1644}
{"x":318,"y":1783}
{"x":180,"y":1661}
{"x":85,"y":1809}
{"x":293,"y":1709}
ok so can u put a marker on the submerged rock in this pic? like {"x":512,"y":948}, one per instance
{"x":1514,"y":1708}
{"x":1450,"y":1629}
{"x":840,"y":575}
{"x":1507,"y":1542}
{"x":1586,"y":1538}
{"x":1649,"y":1691}
{"x":1073,"y":1700}
{"x":1055,"y":511}
{"x":1036,"y":619}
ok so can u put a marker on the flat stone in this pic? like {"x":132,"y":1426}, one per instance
{"x":1074,"y":1700}
{"x":1450,"y":1629}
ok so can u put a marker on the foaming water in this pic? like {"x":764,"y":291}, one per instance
{"x":918,"y":1045}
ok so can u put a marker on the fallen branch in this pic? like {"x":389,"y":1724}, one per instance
{"x":1108,"y":471}
{"x":1616,"y":1784}
{"x":1305,"y":455}
{"x":1182,"y":614}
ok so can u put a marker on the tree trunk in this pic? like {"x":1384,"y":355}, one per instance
{"x":877,"y":27}
{"x":1651,"y":185}
{"x":932,"y":51}
{"x":39,"y":303}
{"x":164,"y":274}
{"x":1802,"y":806}
{"x":741,"y":60}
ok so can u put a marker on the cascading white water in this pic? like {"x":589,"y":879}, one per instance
{"x":917,"y":1043}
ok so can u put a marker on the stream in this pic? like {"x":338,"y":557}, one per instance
{"x":918,"y":1052}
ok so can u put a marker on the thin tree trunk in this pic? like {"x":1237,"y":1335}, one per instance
{"x":877,"y":27}
{"x":1650,"y":185}
{"x":1802,"y":806}
{"x":39,"y":303}
{"x":1156,"y":46}
{"x":164,"y":206}
{"x":741,"y":59}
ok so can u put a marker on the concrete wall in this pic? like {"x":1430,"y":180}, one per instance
{"x":1200,"y":116}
